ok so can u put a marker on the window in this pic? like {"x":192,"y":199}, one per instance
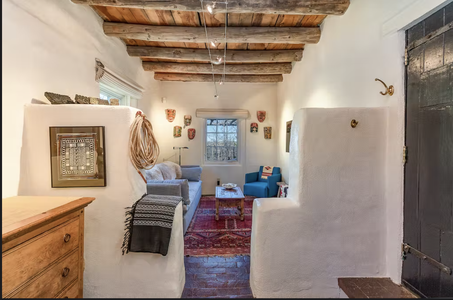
{"x":107,"y":93}
{"x":221,"y":140}
{"x":113,"y":86}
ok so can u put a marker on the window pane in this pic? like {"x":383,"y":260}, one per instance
{"x":211,"y":128}
{"x":211,"y":139}
{"x":220,"y":140}
{"x":232,"y":128}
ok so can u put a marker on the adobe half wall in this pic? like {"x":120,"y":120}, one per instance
{"x":51,"y":45}
{"x":108,"y":273}
{"x":333,"y":222}
{"x":365,"y":43}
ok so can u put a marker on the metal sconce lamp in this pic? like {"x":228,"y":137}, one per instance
{"x":179,"y":148}
{"x":388,"y":90}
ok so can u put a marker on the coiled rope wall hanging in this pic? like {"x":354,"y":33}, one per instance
{"x":143,"y":148}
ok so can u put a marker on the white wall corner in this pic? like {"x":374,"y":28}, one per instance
{"x":411,"y":14}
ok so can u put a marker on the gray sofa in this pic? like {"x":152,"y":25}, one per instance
{"x":177,"y":184}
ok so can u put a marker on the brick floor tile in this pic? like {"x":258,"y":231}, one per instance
{"x":195,"y":259}
{"x":229,"y":264}
{"x":215,"y":270}
{"x":204,"y":276}
{"x":204,"y":292}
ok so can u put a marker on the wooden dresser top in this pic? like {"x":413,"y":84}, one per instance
{"x":23,"y":213}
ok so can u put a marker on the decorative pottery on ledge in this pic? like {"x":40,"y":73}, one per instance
{"x":267,"y":133}
{"x":254,"y":127}
{"x":191,"y":133}
{"x":187,"y":120}
{"x":177,"y":131}
{"x":170,"y":114}
{"x":261,"y":115}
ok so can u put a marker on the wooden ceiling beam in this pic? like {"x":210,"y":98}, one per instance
{"x":208,"y":78}
{"x":203,"y":54}
{"x":286,"y":35}
{"x":249,"y":69}
{"x":291,"y":7}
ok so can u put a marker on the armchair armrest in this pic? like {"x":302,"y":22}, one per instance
{"x":169,"y":189}
{"x":272,"y":184}
{"x":251,"y":177}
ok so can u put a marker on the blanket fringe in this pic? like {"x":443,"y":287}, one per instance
{"x":128,"y":226}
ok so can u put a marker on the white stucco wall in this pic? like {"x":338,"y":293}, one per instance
{"x":364,"y":44}
{"x":333,"y":222}
{"x":107,"y":272}
{"x":186,"y":98}
{"x":51,"y":45}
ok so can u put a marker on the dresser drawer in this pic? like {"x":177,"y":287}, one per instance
{"x":52,"y":281}
{"x":28,"y":259}
{"x":71,"y":292}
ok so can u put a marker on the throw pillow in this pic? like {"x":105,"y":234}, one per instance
{"x":154,"y":174}
{"x":175,"y":167}
{"x":168,"y":173}
{"x":191,"y":174}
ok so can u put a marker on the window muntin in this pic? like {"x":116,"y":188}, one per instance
{"x":221,"y":140}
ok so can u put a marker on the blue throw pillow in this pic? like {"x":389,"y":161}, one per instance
{"x":191,"y":174}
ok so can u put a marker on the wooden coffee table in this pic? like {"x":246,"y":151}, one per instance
{"x":228,"y":198}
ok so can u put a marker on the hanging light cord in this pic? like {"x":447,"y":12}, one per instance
{"x":225,"y":48}
{"x":207,"y":45}
{"x":143,"y":148}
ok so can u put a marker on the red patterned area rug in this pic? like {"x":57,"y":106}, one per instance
{"x":226,"y":237}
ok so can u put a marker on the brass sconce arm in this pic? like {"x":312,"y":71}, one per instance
{"x":388,"y":90}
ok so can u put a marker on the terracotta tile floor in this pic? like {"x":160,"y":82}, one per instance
{"x":217,"y":277}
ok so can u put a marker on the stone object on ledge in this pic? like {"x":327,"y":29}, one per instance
{"x":58,"y":99}
{"x":103,"y":102}
{"x":114,"y":101}
{"x":82,"y":99}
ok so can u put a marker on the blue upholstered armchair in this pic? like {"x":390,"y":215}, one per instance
{"x":262,"y":188}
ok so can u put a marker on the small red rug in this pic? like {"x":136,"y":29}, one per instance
{"x":226,"y":237}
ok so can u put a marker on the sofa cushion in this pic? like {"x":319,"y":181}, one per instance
{"x":183,"y":183}
{"x":194,"y":186}
{"x":191,"y":174}
{"x":158,"y":187}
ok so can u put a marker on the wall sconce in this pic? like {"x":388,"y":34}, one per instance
{"x":388,"y":90}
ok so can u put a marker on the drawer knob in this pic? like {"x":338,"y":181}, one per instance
{"x":65,"y":272}
{"x":67,"y":237}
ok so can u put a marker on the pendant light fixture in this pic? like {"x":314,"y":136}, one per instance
{"x":210,"y":7}
{"x":218,"y":60}
{"x":214,"y":43}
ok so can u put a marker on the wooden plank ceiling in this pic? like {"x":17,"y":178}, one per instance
{"x":179,"y":53}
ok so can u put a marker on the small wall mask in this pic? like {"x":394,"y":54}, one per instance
{"x":254,"y":127}
{"x":177,"y":131}
{"x":170,"y":114}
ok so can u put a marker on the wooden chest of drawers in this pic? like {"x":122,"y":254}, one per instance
{"x":42,"y":247}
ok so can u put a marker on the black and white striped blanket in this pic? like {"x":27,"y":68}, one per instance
{"x":149,"y":223}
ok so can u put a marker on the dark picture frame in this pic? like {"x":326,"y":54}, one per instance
{"x":288,"y":134}
{"x":77,"y":156}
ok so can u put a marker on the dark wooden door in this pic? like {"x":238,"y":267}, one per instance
{"x":428,"y":195}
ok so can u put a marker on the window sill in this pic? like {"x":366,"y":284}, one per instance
{"x":221,"y":164}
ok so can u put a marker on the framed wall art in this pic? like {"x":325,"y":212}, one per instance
{"x":288,"y":134}
{"x":77,"y":156}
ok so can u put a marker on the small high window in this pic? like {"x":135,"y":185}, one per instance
{"x":221,"y":140}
